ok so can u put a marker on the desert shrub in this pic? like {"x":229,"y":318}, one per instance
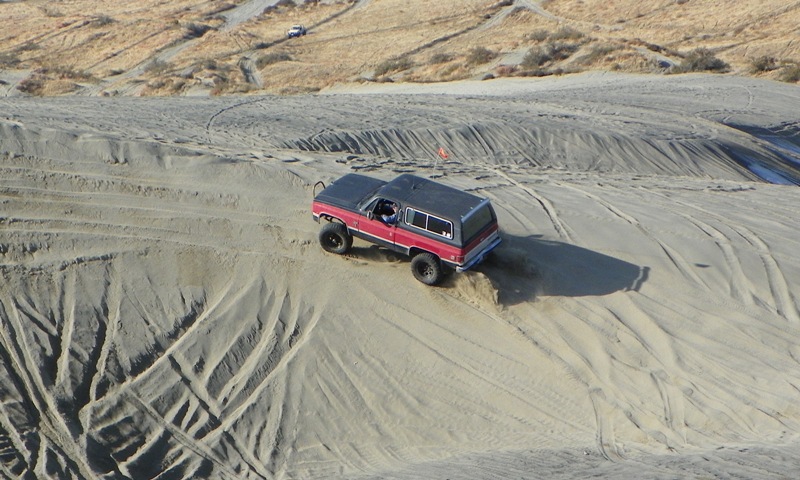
{"x":598,"y":52}
{"x":27,"y":47}
{"x":505,"y":70}
{"x":102,"y":21}
{"x":156,"y":84}
{"x":701,"y":60}
{"x":440,"y":58}
{"x":33,"y":85}
{"x":764,"y":63}
{"x":394,"y":65}
{"x":451,"y":71}
{"x":299,"y":90}
{"x":196,"y":30}
{"x":561,"y":51}
{"x":566,"y":33}
{"x":555,"y":51}
{"x":536,"y":72}
{"x":480,"y":55}
{"x":157,"y":66}
{"x":222,"y":84}
{"x":790,"y":74}
{"x":536,"y":57}
{"x":538,"y":35}
{"x":271,"y":58}
{"x":67,"y":73}
{"x":286,"y":3}
{"x":8,"y":60}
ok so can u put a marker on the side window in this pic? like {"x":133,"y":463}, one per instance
{"x":418,"y":219}
{"x":429,"y":222}
{"x":441,"y":227}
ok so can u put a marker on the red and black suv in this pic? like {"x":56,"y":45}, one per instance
{"x":436,"y":225}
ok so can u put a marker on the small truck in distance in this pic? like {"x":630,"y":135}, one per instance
{"x":439,"y":227}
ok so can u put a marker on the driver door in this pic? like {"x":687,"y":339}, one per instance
{"x":373,"y":227}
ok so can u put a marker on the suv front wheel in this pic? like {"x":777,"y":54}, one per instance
{"x":427,"y":268}
{"x":335,"y":238}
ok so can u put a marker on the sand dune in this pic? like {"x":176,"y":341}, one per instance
{"x":166,"y":308}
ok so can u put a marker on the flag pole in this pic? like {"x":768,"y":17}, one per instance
{"x":441,"y":153}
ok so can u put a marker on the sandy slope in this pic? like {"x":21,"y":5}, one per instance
{"x":166,"y":308}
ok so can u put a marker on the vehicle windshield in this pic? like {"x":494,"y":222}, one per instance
{"x":368,"y":199}
{"x":477,"y":222}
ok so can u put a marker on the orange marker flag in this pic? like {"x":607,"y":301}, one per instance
{"x":442,"y":153}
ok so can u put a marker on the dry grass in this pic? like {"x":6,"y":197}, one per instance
{"x":398,"y":40}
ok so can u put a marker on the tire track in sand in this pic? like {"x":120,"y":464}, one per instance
{"x":50,"y":422}
{"x":548,"y":207}
{"x":673,"y":255}
{"x":784,"y":301}
{"x":739,"y":285}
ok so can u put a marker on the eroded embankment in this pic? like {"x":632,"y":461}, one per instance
{"x":20,"y":139}
{"x":783,"y":144}
{"x":573,"y":149}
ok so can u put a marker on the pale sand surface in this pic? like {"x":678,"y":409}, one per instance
{"x":166,"y":308}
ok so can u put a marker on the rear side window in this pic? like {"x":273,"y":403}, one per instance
{"x":424,"y":221}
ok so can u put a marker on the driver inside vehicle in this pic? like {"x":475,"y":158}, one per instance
{"x":387,"y":212}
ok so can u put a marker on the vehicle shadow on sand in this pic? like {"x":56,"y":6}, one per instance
{"x":524,"y":268}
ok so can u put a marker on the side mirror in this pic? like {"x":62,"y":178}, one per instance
{"x":371,"y":215}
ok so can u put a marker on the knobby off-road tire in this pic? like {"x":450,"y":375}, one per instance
{"x":335,"y":238}
{"x":427,"y":268}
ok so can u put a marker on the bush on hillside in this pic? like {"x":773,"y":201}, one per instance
{"x":538,"y":35}
{"x":538,"y":56}
{"x":393,"y":65}
{"x":764,"y":63}
{"x":157,"y":66}
{"x":33,"y":85}
{"x":566,"y":33}
{"x":597,"y":53}
{"x":480,"y":55}
{"x":701,"y":60}
{"x":440,"y":58}
{"x":272,"y":58}
{"x":196,"y":30}
{"x":102,"y":21}
{"x":8,"y":60}
{"x":790,"y":74}
{"x":27,"y":47}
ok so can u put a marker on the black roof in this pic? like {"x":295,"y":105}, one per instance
{"x":348,"y":190}
{"x":432,"y":197}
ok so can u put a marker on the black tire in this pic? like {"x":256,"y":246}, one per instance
{"x":427,"y":268}
{"x":335,"y":238}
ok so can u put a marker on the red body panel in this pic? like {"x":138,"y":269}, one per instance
{"x":403,"y":239}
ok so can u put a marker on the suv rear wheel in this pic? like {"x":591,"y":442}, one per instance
{"x":427,"y":268}
{"x":335,"y":238}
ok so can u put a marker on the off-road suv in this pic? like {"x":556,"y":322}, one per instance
{"x":296,"y":31}
{"x":438,"y":226}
